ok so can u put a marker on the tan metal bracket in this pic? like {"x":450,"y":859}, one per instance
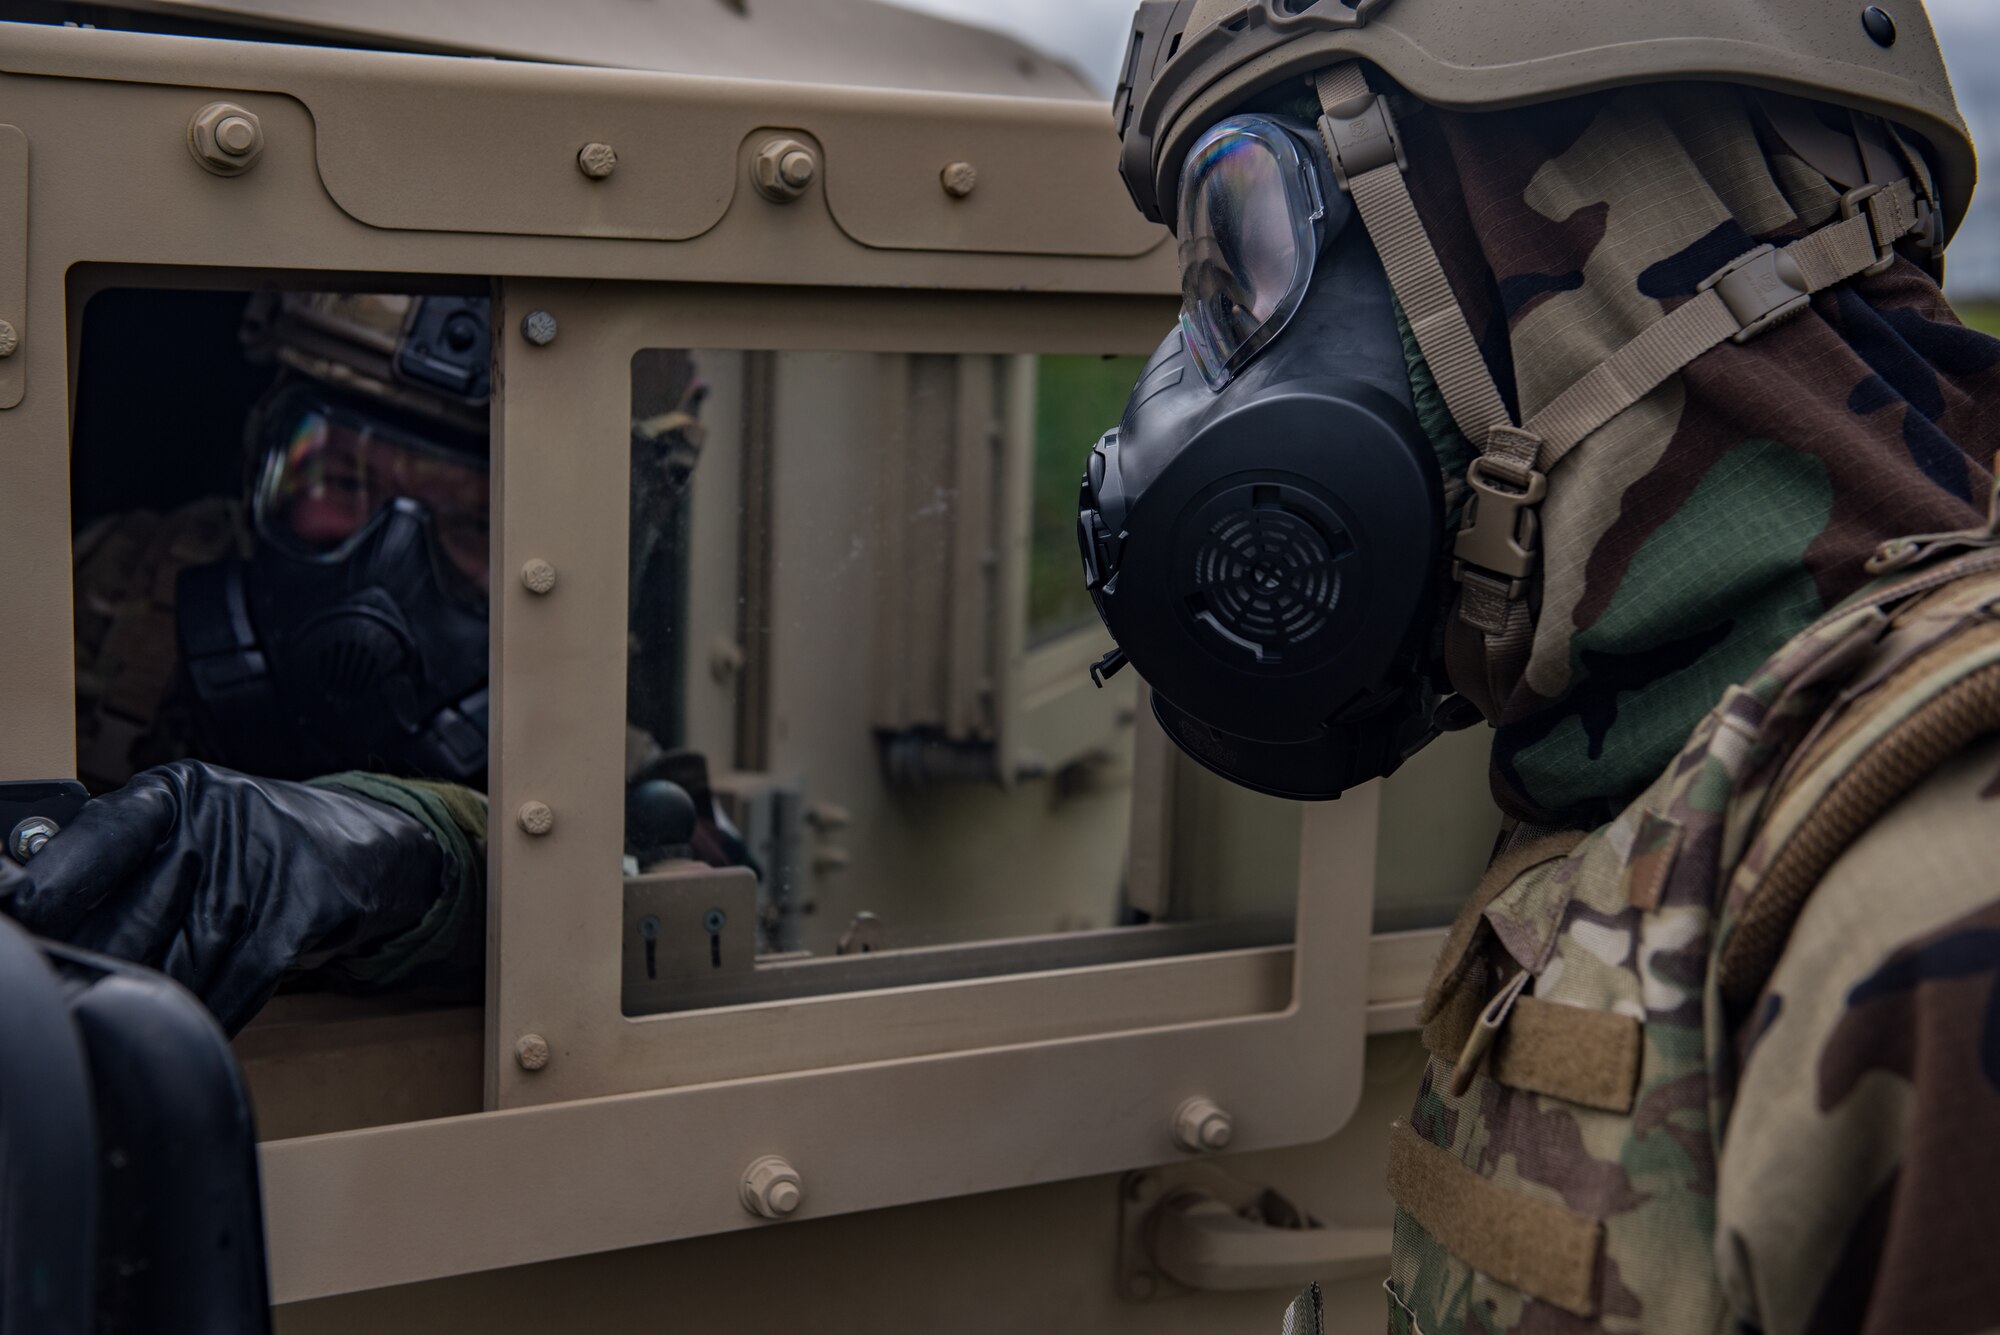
{"x":1288,"y":14}
{"x":1200,"y":1227}
{"x":13,"y":264}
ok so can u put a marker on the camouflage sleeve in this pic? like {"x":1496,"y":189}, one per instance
{"x":449,"y":944}
{"x":1859,"y":1184}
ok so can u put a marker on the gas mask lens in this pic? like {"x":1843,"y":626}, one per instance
{"x":329,"y":469}
{"x":1251,"y":214}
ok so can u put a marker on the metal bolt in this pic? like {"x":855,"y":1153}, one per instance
{"x":31,"y":836}
{"x":532,"y":1051}
{"x":225,"y":138}
{"x":536,"y":818}
{"x":538,"y":575}
{"x":959,"y":178}
{"x":714,"y":921}
{"x":596,"y":161}
{"x":10,"y":339}
{"x":539,"y":328}
{"x":235,"y":136}
{"x":771,"y":1188}
{"x":783,"y":169}
{"x":1201,"y":1126}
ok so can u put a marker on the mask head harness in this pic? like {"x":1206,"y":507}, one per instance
{"x":1333,"y":684}
{"x":355,"y":635}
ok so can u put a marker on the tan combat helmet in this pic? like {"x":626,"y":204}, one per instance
{"x":426,"y":357}
{"x":1190,"y":62}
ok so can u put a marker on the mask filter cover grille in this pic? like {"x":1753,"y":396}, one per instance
{"x":352,"y":666}
{"x":1265,"y":574}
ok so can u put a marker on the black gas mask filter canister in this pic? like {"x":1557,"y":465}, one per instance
{"x":1268,"y":554}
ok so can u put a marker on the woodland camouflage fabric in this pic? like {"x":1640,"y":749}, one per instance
{"x":1856,"y":1178}
{"x":1697,"y":531}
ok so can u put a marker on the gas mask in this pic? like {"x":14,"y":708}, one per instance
{"x":355,"y":636}
{"x":1263,"y":532}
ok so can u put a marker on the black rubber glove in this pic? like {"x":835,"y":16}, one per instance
{"x":223,"y":881}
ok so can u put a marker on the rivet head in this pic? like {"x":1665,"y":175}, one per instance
{"x":539,"y":328}
{"x":10,"y":339}
{"x":958,"y":179}
{"x":1880,"y":27}
{"x":771,"y":1188}
{"x":596,"y":161}
{"x":536,"y":818}
{"x":1201,"y":1126}
{"x":538,"y":575}
{"x":783,"y":168}
{"x":531,"y":1051}
{"x":225,"y":138}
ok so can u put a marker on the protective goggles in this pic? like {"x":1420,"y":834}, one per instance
{"x":329,"y":468}
{"x":1253,"y":217}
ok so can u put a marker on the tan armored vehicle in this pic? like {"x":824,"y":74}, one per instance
{"x":1017,"y":1021}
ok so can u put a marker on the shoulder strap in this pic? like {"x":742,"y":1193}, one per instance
{"x":1497,"y":544}
{"x":1933,"y":689}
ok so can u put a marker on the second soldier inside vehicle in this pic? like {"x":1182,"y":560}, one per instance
{"x":283,"y":697}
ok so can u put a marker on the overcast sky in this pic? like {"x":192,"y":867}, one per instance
{"x":1090,"y":35}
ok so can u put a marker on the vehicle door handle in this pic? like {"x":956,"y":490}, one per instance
{"x":1198,"y":1241}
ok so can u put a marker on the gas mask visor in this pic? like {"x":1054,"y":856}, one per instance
{"x":1263,"y":532}
{"x":327,"y":468}
{"x":1252,"y":221}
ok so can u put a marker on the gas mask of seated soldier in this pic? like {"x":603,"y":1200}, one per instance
{"x":354,"y":636}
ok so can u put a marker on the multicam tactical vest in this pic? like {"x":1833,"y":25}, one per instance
{"x":1558,"y":1172}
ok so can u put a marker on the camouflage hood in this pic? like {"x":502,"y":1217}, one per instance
{"x":1696,"y":533}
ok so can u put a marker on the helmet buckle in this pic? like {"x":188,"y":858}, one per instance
{"x":1500,"y":534}
{"x":1362,"y":140}
{"x":1887,"y":223}
{"x":1927,"y":237}
{"x":1760,"y":289}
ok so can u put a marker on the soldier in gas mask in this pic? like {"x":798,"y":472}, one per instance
{"x":284,"y":699}
{"x":1584,"y":369}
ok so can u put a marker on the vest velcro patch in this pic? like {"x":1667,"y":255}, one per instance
{"x":1586,"y":1057}
{"x":1545,"y":1250}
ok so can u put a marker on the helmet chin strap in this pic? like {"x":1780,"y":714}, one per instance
{"x":1491,"y":628}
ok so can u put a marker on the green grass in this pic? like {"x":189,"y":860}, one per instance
{"x":1077,"y":399}
{"x":1985,"y":317}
